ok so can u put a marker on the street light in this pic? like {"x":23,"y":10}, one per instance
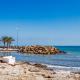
{"x":17,"y":29}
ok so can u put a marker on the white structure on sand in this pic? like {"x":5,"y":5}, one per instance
{"x":9,"y":59}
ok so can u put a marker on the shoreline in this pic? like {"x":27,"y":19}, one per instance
{"x":27,"y":71}
{"x":8,"y":50}
{"x":56,"y":67}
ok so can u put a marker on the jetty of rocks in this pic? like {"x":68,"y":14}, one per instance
{"x":37,"y":49}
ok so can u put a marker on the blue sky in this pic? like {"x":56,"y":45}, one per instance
{"x":45,"y":22}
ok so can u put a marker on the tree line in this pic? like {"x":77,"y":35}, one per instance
{"x":6,"y":40}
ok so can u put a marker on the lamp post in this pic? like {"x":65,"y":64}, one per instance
{"x":17,"y":29}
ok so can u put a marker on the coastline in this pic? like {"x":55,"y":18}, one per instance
{"x":8,"y":50}
{"x":55,"y":67}
{"x":38,"y":70}
{"x":28,"y":71}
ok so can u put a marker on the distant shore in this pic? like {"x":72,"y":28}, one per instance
{"x":8,"y":50}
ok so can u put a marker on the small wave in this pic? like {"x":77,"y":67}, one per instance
{"x":55,"y":67}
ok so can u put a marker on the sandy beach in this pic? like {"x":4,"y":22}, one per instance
{"x":27,"y":71}
{"x":39,"y":39}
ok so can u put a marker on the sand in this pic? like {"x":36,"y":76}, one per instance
{"x":26,"y":71}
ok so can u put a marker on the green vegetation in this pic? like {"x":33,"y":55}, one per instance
{"x":7,"y":41}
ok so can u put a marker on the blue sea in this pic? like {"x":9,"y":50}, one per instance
{"x":70,"y":60}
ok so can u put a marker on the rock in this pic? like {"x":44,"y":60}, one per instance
{"x":40,"y":65}
{"x":40,"y":50}
{"x":9,"y":60}
{"x":34,"y":70}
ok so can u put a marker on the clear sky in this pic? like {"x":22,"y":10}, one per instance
{"x":50,"y":22}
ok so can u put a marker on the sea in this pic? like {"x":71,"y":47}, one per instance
{"x":68,"y":61}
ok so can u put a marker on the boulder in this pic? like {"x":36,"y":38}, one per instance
{"x":40,"y":50}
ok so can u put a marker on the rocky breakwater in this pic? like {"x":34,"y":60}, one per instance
{"x":37,"y":49}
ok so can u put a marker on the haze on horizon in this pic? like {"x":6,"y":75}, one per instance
{"x":45,"y":22}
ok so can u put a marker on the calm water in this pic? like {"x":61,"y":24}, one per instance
{"x":71,"y":59}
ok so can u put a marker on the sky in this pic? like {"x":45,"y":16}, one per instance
{"x":41,"y":22}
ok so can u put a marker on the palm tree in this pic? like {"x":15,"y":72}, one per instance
{"x":7,"y":41}
{"x":4,"y":40}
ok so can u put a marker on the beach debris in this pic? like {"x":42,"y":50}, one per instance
{"x":9,"y":60}
{"x":33,"y":69}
